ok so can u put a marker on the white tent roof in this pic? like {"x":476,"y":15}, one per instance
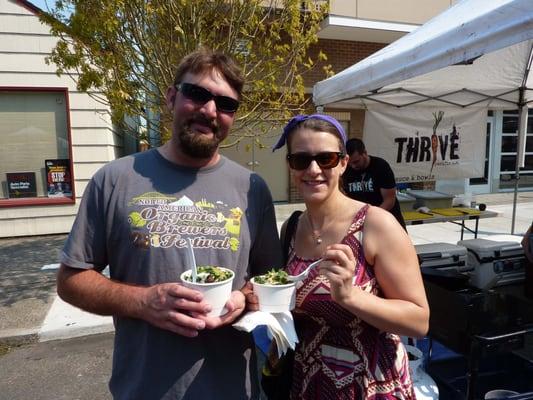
{"x":465,"y":56}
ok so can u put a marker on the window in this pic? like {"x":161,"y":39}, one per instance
{"x":484,"y":180}
{"x":35,"y":162}
{"x":509,"y":152}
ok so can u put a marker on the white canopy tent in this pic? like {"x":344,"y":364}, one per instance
{"x":477,"y":53}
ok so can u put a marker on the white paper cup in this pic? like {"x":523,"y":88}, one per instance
{"x":216,"y":293}
{"x":275,"y":298}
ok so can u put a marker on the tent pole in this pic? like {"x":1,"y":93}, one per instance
{"x":519,"y":143}
{"x":522,"y":131}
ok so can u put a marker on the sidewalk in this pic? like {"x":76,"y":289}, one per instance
{"x":31,"y":311}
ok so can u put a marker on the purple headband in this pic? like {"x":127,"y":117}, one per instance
{"x":300,"y":118}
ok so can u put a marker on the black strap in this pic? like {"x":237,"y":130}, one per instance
{"x":288,"y":233}
{"x":276,"y":377}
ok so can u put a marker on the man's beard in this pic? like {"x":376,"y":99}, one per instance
{"x":197,"y":144}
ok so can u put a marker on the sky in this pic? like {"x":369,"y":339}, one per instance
{"x":42,"y":4}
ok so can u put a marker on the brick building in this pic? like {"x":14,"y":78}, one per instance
{"x":353,"y":30}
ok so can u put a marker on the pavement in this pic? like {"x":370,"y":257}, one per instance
{"x":31,"y":311}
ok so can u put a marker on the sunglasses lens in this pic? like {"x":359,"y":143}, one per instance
{"x":201,"y":95}
{"x":326,"y":160}
{"x":195,"y":93}
{"x":226,"y":104}
{"x":299,"y":161}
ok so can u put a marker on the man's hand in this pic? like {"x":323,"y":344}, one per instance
{"x":252,"y":302}
{"x":234,"y":307}
{"x":174,"y":307}
{"x":389,"y":198}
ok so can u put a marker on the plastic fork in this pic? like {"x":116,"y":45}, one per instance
{"x":302,"y":275}
{"x":192,"y":260}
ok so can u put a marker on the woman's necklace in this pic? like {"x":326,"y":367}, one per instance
{"x":315,"y":232}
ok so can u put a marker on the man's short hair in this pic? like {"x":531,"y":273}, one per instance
{"x":355,"y":145}
{"x":205,"y":59}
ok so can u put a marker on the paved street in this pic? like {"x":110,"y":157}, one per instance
{"x":72,"y":369}
{"x":27,"y":290}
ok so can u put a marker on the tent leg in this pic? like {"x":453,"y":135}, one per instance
{"x":520,"y":148}
{"x":515,"y":195}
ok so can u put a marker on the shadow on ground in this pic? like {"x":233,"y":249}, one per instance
{"x":21,"y":260}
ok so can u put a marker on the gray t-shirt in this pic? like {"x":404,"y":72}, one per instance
{"x":136,"y":215}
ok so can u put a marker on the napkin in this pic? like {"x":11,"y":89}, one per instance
{"x":280,"y":327}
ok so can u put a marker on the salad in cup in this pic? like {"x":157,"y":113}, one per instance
{"x":210,"y":274}
{"x":215,"y":283}
{"x":274,"y":291}
{"x":273,"y":277}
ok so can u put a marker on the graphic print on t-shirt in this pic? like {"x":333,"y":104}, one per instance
{"x":364,"y":184}
{"x":158,"y":220}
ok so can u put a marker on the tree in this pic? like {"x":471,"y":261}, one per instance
{"x":125,"y":52}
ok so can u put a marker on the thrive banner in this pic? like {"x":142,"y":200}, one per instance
{"x":426,"y":144}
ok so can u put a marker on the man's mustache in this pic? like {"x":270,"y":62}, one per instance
{"x":200,"y":119}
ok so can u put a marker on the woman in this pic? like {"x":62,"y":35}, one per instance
{"x":367,"y":291}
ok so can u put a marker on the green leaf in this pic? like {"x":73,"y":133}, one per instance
{"x":128,"y":51}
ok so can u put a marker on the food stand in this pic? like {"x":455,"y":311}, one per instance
{"x":478,"y":310}
{"x":475,"y":56}
{"x":479,"y":325}
{"x":455,"y":215}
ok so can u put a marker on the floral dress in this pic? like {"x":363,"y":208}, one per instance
{"x":339,"y":356}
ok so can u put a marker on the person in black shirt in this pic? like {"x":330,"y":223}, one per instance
{"x":370,"y":179}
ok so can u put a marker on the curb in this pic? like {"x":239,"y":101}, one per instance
{"x":74,"y":332}
{"x":18,"y":337}
{"x":64,"y":321}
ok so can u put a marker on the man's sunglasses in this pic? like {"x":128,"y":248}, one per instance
{"x":325,"y":160}
{"x":201,"y":95}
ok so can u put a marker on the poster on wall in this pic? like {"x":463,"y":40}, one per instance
{"x":21,"y":184}
{"x":426,"y":143}
{"x":58,"y":178}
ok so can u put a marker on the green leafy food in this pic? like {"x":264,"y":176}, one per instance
{"x":273,"y":277}
{"x":210,"y":274}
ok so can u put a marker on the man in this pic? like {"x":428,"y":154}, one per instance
{"x":137,"y":214}
{"x":370,"y":179}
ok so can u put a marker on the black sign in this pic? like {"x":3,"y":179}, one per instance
{"x":21,"y":184}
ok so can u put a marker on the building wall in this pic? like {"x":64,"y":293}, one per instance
{"x":341,"y":54}
{"x":406,"y":11}
{"x":24,"y":44}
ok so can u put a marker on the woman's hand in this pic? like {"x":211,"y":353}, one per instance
{"x":339,"y":267}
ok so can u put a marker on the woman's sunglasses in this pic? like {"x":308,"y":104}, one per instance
{"x":201,"y":95}
{"x":325,"y":160}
